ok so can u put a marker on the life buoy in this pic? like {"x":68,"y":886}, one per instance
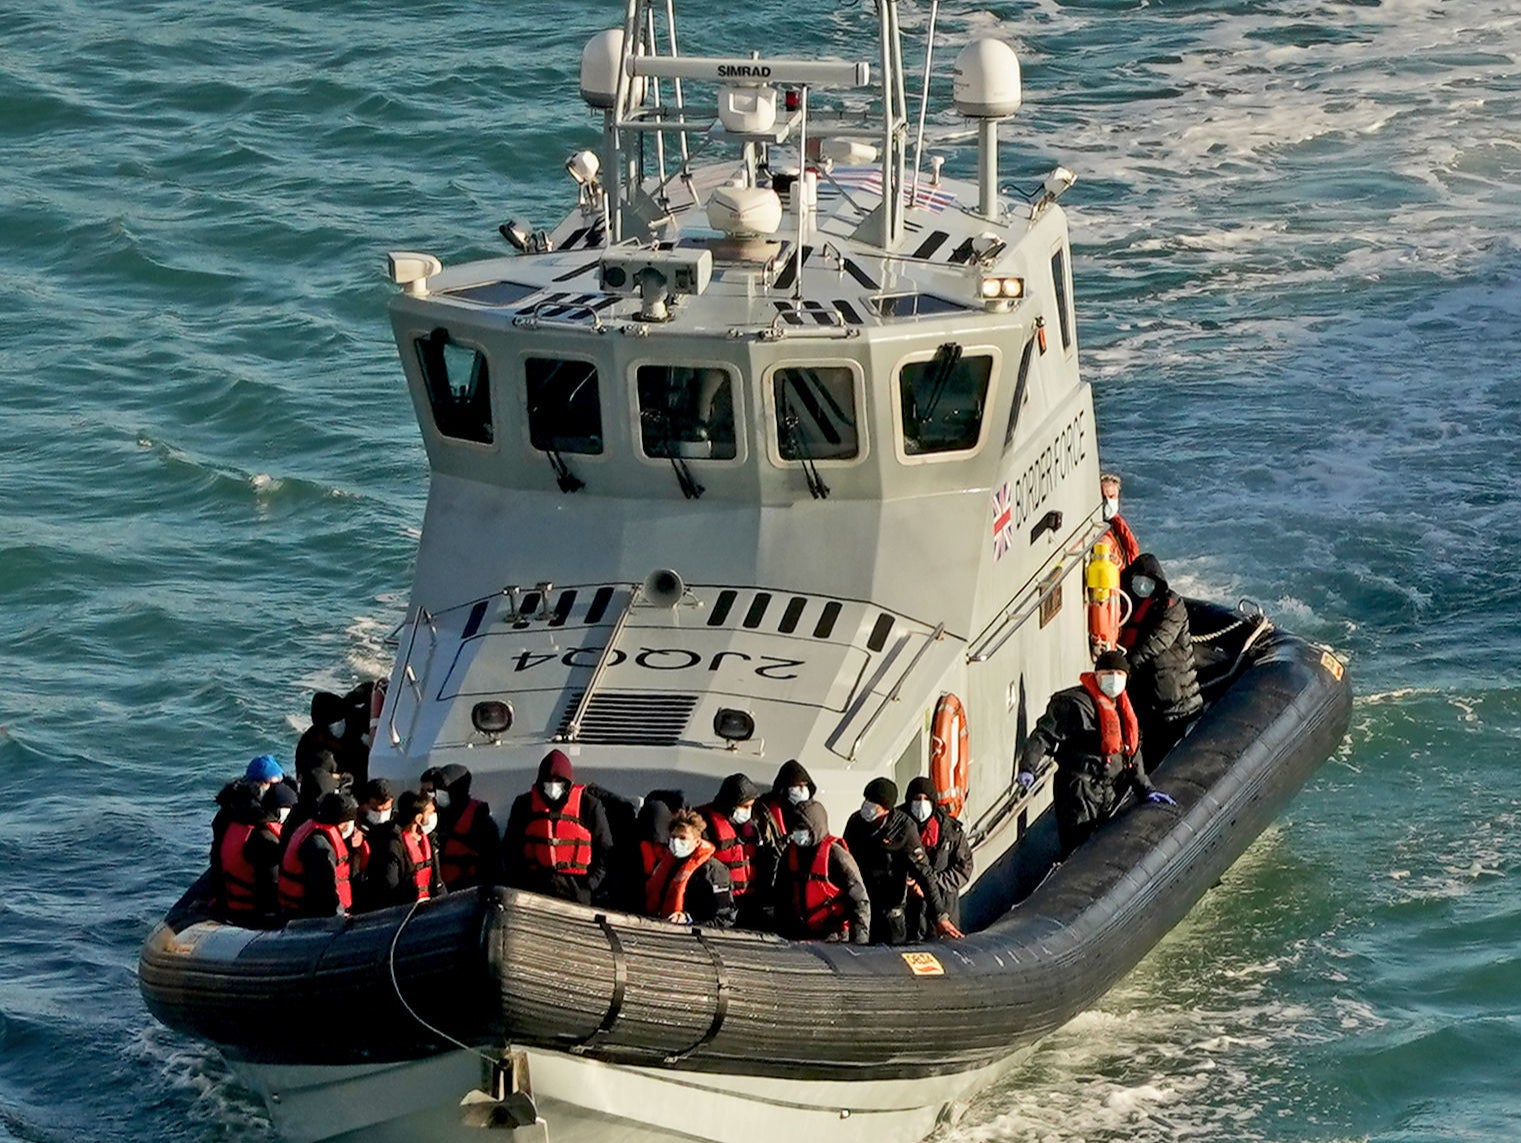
{"x":950,"y":755}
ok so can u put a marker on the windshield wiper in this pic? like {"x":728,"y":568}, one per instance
{"x":795,"y":436}
{"x":667,"y":438}
{"x":946,"y":358}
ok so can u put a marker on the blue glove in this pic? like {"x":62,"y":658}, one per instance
{"x":1025,"y":780}
{"x":1157,"y":798}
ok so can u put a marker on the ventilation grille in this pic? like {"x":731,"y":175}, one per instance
{"x":640,"y":719}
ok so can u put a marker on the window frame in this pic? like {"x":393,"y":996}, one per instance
{"x":990,"y":399}
{"x":521,"y":378}
{"x":857,"y":392}
{"x":493,"y":406}
{"x":1066,"y":318}
{"x":733,"y":372}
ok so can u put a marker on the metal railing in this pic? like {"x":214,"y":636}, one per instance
{"x":892,"y":696}
{"x":409,"y":676}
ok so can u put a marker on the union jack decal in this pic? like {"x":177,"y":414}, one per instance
{"x":1003,"y":522}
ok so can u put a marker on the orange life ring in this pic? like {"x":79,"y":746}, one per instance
{"x":950,"y":754}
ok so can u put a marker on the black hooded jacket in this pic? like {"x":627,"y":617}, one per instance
{"x":950,"y":858}
{"x":387,"y":876}
{"x":482,"y":836}
{"x":843,"y":872}
{"x":238,"y":803}
{"x":347,"y":749}
{"x":1163,"y":682}
{"x":891,"y":854}
{"x":523,"y":874}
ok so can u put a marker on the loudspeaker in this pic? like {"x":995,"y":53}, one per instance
{"x":663,"y":588}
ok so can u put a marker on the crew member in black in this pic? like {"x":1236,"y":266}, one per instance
{"x":468,"y":842}
{"x":886,"y":845}
{"x":1164,"y":685}
{"x":558,"y":838}
{"x":1091,"y":733}
{"x":820,"y":894}
{"x":332,"y":730}
{"x":403,"y":865}
{"x":950,"y":858}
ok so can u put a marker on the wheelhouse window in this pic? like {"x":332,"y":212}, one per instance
{"x":815,"y":412}
{"x":458,"y":382}
{"x":1063,"y":312}
{"x":943,"y":401}
{"x":686,"y":412}
{"x":564,"y":408}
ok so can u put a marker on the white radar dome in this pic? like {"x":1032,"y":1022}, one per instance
{"x":744,"y":212}
{"x":599,"y":70}
{"x":987,"y":80}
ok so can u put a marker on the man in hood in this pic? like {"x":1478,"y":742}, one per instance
{"x":820,"y":894}
{"x":315,"y":873}
{"x":336,"y":728}
{"x":558,"y":838}
{"x":772,"y":817}
{"x":239,"y":803}
{"x":729,"y":821}
{"x":630,"y":870}
{"x":468,"y":842}
{"x":949,"y":853}
{"x":1164,"y":685}
{"x":318,"y":782}
{"x":886,"y":845}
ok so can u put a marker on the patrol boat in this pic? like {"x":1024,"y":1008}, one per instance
{"x":783,"y":453}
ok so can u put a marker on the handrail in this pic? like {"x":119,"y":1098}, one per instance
{"x":892,"y":696}
{"x":1001,"y":630}
{"x":573,"y":728}
{"x":408,"y":674}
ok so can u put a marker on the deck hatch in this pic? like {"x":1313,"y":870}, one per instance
{"x":630,"y":719}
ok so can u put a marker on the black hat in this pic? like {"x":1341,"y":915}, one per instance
{"x":280,"y":796}
{"x":882,"y":791}
{"x":1112,"y":661}
{"x":920,"y":787}
{"x":737,"y":789}
{"x":377,"y":790}
{"x":335,"y":809}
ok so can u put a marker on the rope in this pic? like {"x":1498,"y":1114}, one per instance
{"x":412,"y":1012}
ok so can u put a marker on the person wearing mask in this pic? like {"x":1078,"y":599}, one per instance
{"x":319,"y":781}
{"x":885,"y":843}
{"x":652,"y":829}
{"x":689,"y":885}
{"x":772,"y":817}
{"x":1091,"y":733}
{"x":403,"y":866}
{"x":950,"y":858}
{"x":468,"y":841}
{"x":558,"y":839}
{"x":239,"y":802}
{"x":329,"y":731}
{"x":315,"y":871}
{"x":1123,"y":546}
{"x":1164,"y":685}
{"x":377,"y":803}
{"x":730,"y":822}
{"x":820,"y":894}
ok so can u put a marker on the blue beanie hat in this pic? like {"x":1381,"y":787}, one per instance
{"x":264,"y":768}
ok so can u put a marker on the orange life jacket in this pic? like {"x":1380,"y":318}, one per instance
{"x":237,"y":870}
{"x":817,"y":902}
{"x":1123,"y":546}
{"x":555,"y":840}
{"x":293,"y":869}
{"x":1119,"y":733}
{"x":666,"y":890}
{"x":419,"y":849}
{"x":730,"y":847}
{"x":458,"y":861}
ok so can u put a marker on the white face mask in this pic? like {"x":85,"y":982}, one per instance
{"x":1111,"y":507}
{"x":346,"y":829}
{"x":1142,"y":586}
{"x":682,"y":846}
{"x":921,"y":809}
{"x":430,"y":823}
{"x":336,"y":729}
{"x":377,"y":817}
{"x":870,"y":811}
{"x":797,"y":794}
{"x":554,"y":791}
{"x":801,"y":837}
{"x":441,"y":799}
{"x":284,"y":812}
{"x":1111,"y":683}
{"x":740,"y":816}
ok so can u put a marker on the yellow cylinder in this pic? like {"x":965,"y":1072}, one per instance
{"x":1103,"y":575}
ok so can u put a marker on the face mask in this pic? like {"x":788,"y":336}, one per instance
{"x":346,"y":829}
{"x":797,"y":794}
{"x":870,"y":811}
{"x":284,"y":812}
{"x":430,"y":823}
{"x":740,"y":816}
{"x":921,"y":809}
{"x":801,"y":838}
{"x":377,"y":817}
{"x":1111,"y":507}
{"x":1142,"y":586}
{"x":682,"y":846}
{"x":441,"y":799}
{"x":336,"y":729}
{"x":554,"y":791}
{"x":1111,"y":683}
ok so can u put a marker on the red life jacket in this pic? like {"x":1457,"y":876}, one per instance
{"x":730,"y":847}
{"x":666,"y":890}
{"x":778,"y":815}
{"x":929,"y":832}
{"x":1123,"y":546}
{"x":458,"y":861}
{"x":1132,"y":629}
{"x":293,"y":869}
{"x":649,"y":857}
{"x":555,"y":841}
{"x":817,"y":902}
{"x":419,"y":849}
{"x":1119,"y":733}
{"x":237,"y":870}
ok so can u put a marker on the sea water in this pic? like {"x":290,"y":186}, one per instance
{"x":1298,"y":299}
